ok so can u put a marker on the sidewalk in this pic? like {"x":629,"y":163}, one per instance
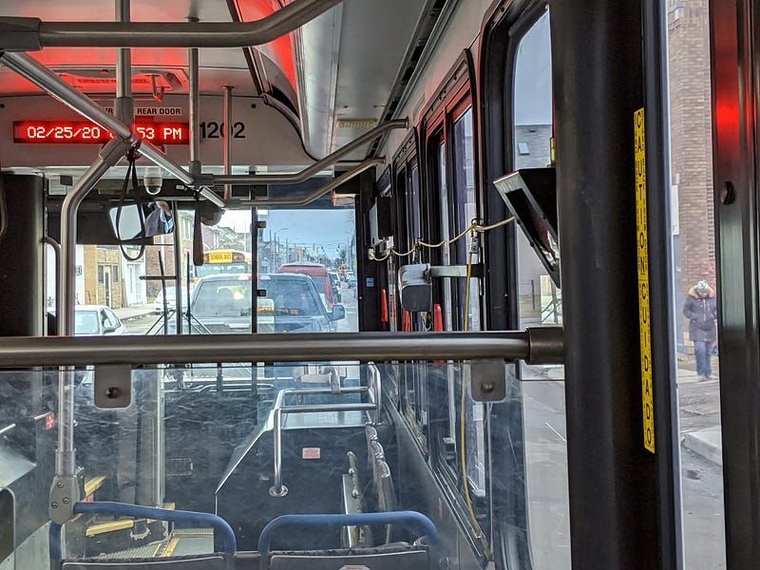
{"x":133,"y":312}
{"x":705,"y":442}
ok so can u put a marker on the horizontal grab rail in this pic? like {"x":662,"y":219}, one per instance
{"x":393,"y":517}
{"x":24,"y":352}
{"x":189,"y":518}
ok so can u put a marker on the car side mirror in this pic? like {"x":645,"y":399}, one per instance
{"x":338,"y":313}
{"x":108,"y":329}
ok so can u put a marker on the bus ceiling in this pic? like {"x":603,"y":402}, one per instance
{"x":31,"y":34}
{"x":332,"y":80}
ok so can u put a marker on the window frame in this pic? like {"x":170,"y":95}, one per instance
{"x":455,"y":97}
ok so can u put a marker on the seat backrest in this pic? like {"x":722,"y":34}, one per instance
{"x":377,"y":453}
{"x":386,"y":494}
{"x":207,"y":562}
{"x":371,"y":434}
{"x":405,"y":558}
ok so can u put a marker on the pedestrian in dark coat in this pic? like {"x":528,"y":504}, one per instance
{"x":701,"y":309}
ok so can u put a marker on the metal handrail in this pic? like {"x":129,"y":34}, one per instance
{"x":222,"y":529}
{"x":278,"y":489}
{"x":377,"y":381}
{"x":312,"y":197}
{"x":58,"y":276}
{"x":25,"y":352}
{"x":311,"y":171}
{"x":392,"y":517}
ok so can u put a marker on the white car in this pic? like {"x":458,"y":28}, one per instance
{"x":171,"y":300}
{"x":97,"y":320}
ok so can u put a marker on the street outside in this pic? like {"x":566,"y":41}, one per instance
{"x":701,"y":478}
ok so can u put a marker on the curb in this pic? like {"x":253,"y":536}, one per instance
{"x":705,"y":443}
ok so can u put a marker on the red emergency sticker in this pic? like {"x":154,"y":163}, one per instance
{"x":311,"y":453}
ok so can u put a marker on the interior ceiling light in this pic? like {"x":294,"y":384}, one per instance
{"x":357,"y":123}
{"x":103,"y":80}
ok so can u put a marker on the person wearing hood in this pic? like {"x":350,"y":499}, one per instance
{"x":701,"y":309}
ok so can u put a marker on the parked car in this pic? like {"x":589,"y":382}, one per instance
{"x":291,"y":304}
{"x":318,"y":273}
{"x":92,"y":320}
{"x":335,"y":282}
{"x":171,"y":300}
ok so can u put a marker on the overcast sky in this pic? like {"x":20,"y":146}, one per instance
{"x":323,"y":227}
{"x":533,"y":76}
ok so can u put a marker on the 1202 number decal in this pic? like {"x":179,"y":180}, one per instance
{"x":214,"y":130}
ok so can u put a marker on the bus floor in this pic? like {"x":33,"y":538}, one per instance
{"x":181,"y":542}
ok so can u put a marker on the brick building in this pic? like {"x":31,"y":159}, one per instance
{"x":103,"y":277}
{"x":691,"y":147}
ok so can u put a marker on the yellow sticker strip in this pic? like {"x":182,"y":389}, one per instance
{"x":643,"y":275}
{"x":170,"y":548}
{"x":112,"y":526}
{"x":93,"y":485}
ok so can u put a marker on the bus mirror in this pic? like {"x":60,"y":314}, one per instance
{"x":156,"y":219}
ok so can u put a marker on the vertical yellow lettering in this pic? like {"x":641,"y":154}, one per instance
{"x":643,"y":276}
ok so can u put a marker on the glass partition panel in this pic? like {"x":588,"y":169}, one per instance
{"x":540,"y":305}
{"x":301,"y":438}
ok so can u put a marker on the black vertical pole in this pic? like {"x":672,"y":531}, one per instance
{"x":735,"y":40}
{"x":367,"y":272}
{"x":22,"y":308}
{"x":661,"y":284}
{"x":255,"y":306}
{"x":177,"y":250}
{"x":598,"y":84}
{"x":254,"y":269}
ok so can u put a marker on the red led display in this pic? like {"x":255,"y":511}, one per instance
{"x":83,"y":132}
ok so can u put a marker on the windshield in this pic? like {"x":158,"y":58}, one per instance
{"x":223,"y":298}
{"x":292,"y":296}
{"x":86,"y":322}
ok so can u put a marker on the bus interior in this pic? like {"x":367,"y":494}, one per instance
{"x":379,"y":284}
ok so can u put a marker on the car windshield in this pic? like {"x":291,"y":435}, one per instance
{"x":86,"y":322}
{"x":292,"y":296}
{"x":320,"y":284}
{"x":232,"y":297}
